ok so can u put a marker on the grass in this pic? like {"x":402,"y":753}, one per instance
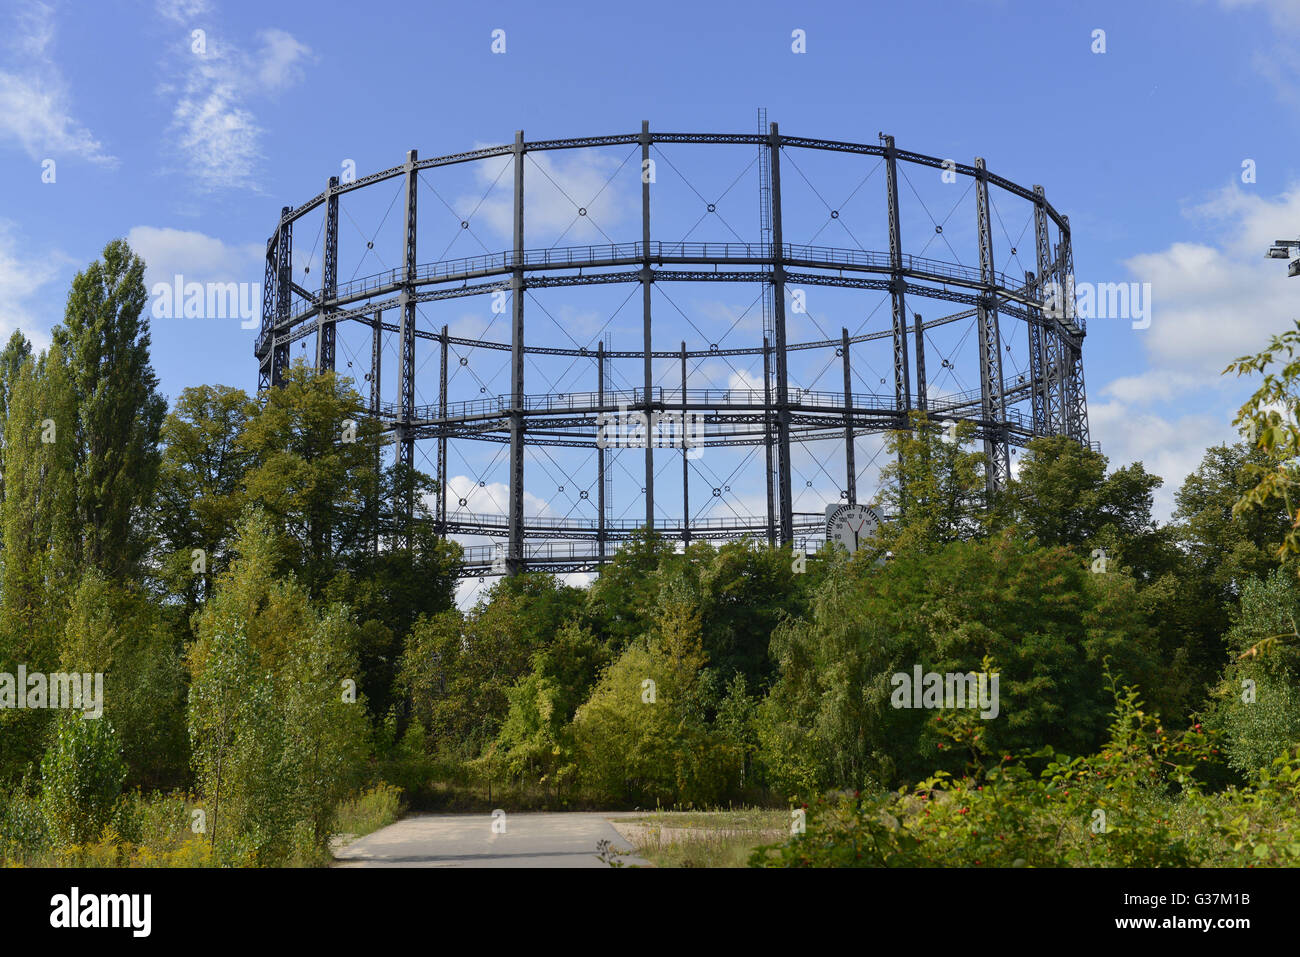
{"x":370,"y":810}
{"x":703,"y":838}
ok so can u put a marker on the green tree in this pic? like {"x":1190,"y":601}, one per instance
{"x":39,"y":512}
{"x":119,"y":412}
{"x":314,"y":471}
{"x":388,"y":591}
{"x":115,"y":630}
{"x":81,"y":779}
{"x":536,"y":737}
{"x":933,"y":487}
{"x":625,"y":596}
{"x":1038,"y":614}
{"x":643,"y":736}
{"x":741,"y":591}
{"x":1063,"y":496}
{"x":199,"y":496}
{"x":1226,"y":547}
{"x":457,"y":669}
{"x":1270,"y":419}
{"x":1257,"y":701}
{"x":275,"y":738}
{"x":16,"y":353}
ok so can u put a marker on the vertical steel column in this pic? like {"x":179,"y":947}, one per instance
{"x":266,"y":335}
{"x":1037,"y":353}
{"x":406,"y":382}
{"x":442,"y":435}
{"x":850,"y":453}
{"x":897,"y":286}
{"x":1048,"y":355}
{"x":997,"y":457}
{"x":600,"y":454}
{"x":782,"y":378}
{"x":686,"y":465}
{"x":1065,"y":309}
{"x":646,"y":279}
{"x":329,"y":283}
{"x":918,"y":335}
{"x":515,"y":553}
{"x":767,"y":439}
{"x":1075,"y":400}
{"x":376,"y":359}
{"x":283,"y":296}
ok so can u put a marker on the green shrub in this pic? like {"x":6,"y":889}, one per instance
{"x":1137,"y":803}
{"x":81,"y":779}
{"x":369,"y":810}
{"x":23,"y":833}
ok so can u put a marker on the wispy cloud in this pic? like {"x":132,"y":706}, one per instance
{"x":35,"y":103}
{"x":23,"y":275}
{"x":1212,"y":301}
{"x":1279,"y":63}
{"x":214,"y":127}
{"x":182,"y":11}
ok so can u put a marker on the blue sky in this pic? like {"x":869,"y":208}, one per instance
{"x":192,"y":154}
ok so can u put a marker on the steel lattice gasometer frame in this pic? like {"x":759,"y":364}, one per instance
{"x":773,"y":415}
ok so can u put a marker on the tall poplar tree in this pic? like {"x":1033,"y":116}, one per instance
{"x":105,"y":336}
{"x":16,"y":352}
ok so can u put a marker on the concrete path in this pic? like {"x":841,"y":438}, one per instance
{"x":563,"y":839}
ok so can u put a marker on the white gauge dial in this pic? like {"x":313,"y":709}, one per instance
{"x":851,"y":525}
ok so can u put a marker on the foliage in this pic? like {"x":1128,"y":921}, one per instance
{"x":1037,"y":612}
{"x":118,"y":410}
{"x":458,"y":669}
{"x":275,"y":739}
{"x":1136,"y":803}
{"x":228,"y":569}
{"x":200,"y":494}
{"x":1257,"y":702}
{"x":933,"y":487}
{"x":314,"y":471}
{"x":116,"y":631}
{"x":1270,"y":419}
{"x":81,"y":779}
{"x":369,"y":810}
{"x":643,"y":735}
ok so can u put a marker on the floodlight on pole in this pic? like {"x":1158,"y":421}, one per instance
{"x":1281,"y":249}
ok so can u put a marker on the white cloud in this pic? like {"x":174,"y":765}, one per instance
{"x":1214,"y":302}
{"x":1285,"y":14}
{"x":280,"y":60}
{"x":745,"y":381}
{"x":194,"y":255}
{"x":35,"y":104}
{"x":1280,"y":62}
{"x":1156,"y":385}
{"x":22,"y":277}
{"x":1168,"y":447}
{"x":556,"y":186}
{"x":492,"y":498}
{"x":214,"y":128}
{"x":217,"y":136}
{"x":732,"y":318}
{"x":182,"y":11}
